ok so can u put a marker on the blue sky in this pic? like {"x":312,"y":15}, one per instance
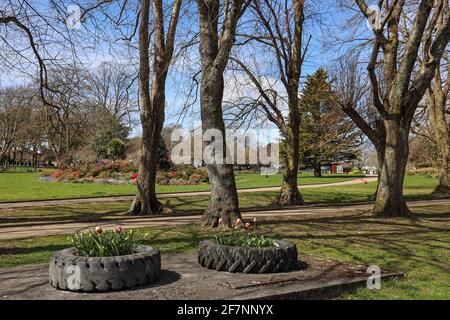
{"x":92,"y":54}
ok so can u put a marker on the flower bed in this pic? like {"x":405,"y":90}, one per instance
{"x":124,"y":172}
{"x":104,"y":261}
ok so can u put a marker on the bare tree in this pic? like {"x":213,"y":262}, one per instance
{"x":352,"y":94}
{"x":34,"y":38}
{"x":279,"y":33}
{"x":152,"y":97}
{"x":112,"y":90}
{"x":215,"y":48}
{"x":14,"y":110}
{"x":67,"y":113}
{"x":406,"y":78}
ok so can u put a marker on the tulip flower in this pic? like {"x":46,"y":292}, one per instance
{"x":98,"y":230}
{"x":118,"y":229}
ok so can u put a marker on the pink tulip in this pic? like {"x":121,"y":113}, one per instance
{"x":247,"y":226}
{"x":254,"y":220}
{"x":220,"y":221}
{"x":238,"y":222}
{"x":98,"y":230}
{"x":118,"y":229}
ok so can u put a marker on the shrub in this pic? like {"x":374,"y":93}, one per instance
{"x":121,"y":171}
{"x":116,"y":149}
{"x":195,"y":179}
{"x":105,"y":128}
{"x":178,"y":182}
{"x":134,"y":176}
{"x":105,"y":244}
{"x":134,"y":158}
{"x":57,"y":174}
{"x":162,"y":178}
{"x":422,"y":171}
{"x":203,"y":172}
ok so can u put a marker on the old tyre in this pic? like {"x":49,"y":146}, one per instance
{"x":281,"y":258}
{"x":98,"y":274}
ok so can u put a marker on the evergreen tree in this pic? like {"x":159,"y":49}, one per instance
{"x":164,"y":162}
{"x":326,"y":134}
{"x":106,"y":128}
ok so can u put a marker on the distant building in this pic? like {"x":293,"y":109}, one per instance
{"x":341,"y":168}
{"x":337,"y":168}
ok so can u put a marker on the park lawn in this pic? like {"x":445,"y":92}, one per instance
{"x":26,"y":186}
{"x":419,"y":247}
{"x":416,"y":187}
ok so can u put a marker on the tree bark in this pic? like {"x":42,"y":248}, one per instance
{"x":224,"y":202}
{"x":152,"y":104}
{"x":215,"y":53}
{"x":389,"y":198}
{"x":440,"y":128}
{"x":404,"y":86}
{"x":317,"y":170}
{"x":289,"y":194}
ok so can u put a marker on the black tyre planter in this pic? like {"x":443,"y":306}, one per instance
{"x":282,"y":258}
{"x":99,"y":274}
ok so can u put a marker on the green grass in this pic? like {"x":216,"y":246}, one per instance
{"x":416,"y":187}
{"x":26,"y":186}
{"x":418,"y":247}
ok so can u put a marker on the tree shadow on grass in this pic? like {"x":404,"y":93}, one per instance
{"x":10,"y":251}
{"x":182,"y":202}
{"x":175,"y":243}
{"x":56,"y":214}
{"x":420,"y":241}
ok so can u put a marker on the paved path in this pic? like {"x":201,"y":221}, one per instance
{"x":27,"y":204}
{"x":61,"y":228}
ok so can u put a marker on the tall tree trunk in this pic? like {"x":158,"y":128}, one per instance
{"x":215,"y":48}
{"x":317,"y":170}
{"x":404,"y":85}
{"x":152,"y":118}
{"x":224,"y":202}
{"x":443,"y":186}
{"x":146,"y":201}
{"x":380,"y":160}
{"x":152,"y":104}
{"x":289,"y":194}
{"x":389,"y":198}
{"x":437,"y":101}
